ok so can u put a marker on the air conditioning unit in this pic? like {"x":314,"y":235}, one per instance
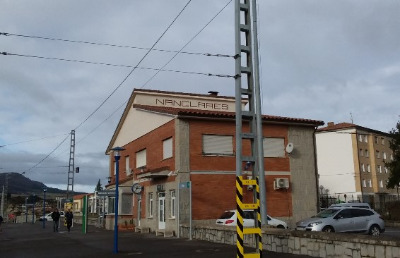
{"x":281,"y":183}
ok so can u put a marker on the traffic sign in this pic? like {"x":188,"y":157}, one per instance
{"x":106,"y":193}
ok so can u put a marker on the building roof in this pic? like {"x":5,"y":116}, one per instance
{"x":217,"y":114}
{"x":182,"y":112}
{"x":332,"y":127}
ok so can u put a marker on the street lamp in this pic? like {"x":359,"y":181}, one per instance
{"x":44,"y":207}
{"x":116,"y":151}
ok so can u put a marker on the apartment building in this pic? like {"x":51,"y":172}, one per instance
{"x":180,"y":148}
{"x":351,"y":162}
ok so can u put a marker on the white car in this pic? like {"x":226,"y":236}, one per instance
{"x":48,"y":217}
{"x":228,"y":218}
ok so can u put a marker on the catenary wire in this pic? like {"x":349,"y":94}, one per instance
{"x":113,"y":45}
{"x":151,"y":78}
{"x":116,"y":65}
{"x":129,"y":74}
{"x":119,"y":85}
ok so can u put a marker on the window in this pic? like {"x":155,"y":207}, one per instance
{"x":369,"y":168}
{"x":141,"y":158}
{"x":365,"y":138}
{"x":150,"y":209}
{"x":362,"y":167}
{"x":172,"y":193}
{"x":361,"y":152}
{"x":386,"y":170}
{"x":274,"y":147}
{"x":366,"y":153}
{"x":379,"y":167}
{"x":378,"y":154}
{"x":381,"y":184}
{"x":127,"y":167}
{"x":383,"y":141}
{"x":217,"y":144}
{"x":391,"y":156}
{"x":384,"y":155}
{"x":167,"y":148}
{"x":369,"y":183}
{"x":360,"y":138}
{"x":376,"y":139}
{"x":126,"y":203}
{"x":364,"y":183}
{"x":111,"y":205}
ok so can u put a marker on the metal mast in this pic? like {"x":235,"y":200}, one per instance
{"x":71,"y":167}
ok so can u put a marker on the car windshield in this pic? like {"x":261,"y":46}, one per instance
{"x":227,"y":215}
{"x":326,"y":213}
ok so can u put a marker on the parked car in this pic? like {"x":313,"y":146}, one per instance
{"x":48,"y":217}
{"x":344,"y":219}
{"x":351,"y":204}
{"x":228,"y":218}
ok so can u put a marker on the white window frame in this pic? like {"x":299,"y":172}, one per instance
{"x":364,"y":183}
{"x":381,"y":184}
{"x":365,"y":138}
{"x":274,"y":147}
{"x":369,"y":183}
{"x":217,"y":145}
{"x":173,"y":203}
{"x":384,"y":155}
{"x":167,"y":148}
{"x":386,"y":170}
{"x":362,"y":167}
{"x":141,"y":159}
{"x":361,"y":152}
{"x":368,"y":167}
{"x":150,"y":208}
{"x":366,"y":153}
{"x":378,"y":154}
{"x":379,"y":168}
{"x":360,"y":138}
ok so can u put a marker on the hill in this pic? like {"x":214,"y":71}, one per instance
{"x":19,"y":184}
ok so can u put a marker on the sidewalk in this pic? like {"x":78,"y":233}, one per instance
{"x":32,"y":240}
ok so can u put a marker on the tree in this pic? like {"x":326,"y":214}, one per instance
{"x":99,"y":187}
{"x":394,"y":164}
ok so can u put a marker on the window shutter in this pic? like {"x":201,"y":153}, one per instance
{"x":141,"y":158}
{"x":274,"y":147}
{"x":218,"y":144}
{"x":167,"y":148}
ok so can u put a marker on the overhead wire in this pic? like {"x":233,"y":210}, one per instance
{"x":134,"y":68}
{"x":113,"y":45}
{"x":151,"y":78}
{"x":117,"y":65}
{"x":123,"y":104}
{"x":38,"y":139}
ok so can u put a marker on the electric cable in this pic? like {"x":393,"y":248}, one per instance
{"x":42,"y":138}
{"x":113,"y":45}
{"x":151,"y":78}
{"x":116,"y":65}
{"x":129,"y":74}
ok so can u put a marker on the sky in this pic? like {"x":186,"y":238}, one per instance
{"x":335,"y":61}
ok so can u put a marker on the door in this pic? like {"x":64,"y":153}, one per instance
{"x":161,"y":211}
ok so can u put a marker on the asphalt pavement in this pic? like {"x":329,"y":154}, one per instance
{"x":32,"y":240}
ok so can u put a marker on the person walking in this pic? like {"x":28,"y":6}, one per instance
{"x":69,"y":216}
{"x":55,"y":215}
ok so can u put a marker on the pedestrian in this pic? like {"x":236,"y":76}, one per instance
{"x":55,"y":215}
{"x":1,"y":221}
{"x":69,"y":216}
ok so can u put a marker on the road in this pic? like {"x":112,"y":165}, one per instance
{"x":32,"y":240}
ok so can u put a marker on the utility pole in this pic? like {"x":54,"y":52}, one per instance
{"x":71,"y":168}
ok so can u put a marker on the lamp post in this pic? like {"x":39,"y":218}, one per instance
{"x":44,"y":207}
{"x":116,"y":151}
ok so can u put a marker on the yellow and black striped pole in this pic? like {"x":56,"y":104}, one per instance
{"x":239,"y":224}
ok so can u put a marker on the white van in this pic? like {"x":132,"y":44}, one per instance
{"x":351,"y":205}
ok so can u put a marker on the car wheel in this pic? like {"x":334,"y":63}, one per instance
{"x":374,"y":230}
{"x":281,"y":226}
{"x":328,"y":229}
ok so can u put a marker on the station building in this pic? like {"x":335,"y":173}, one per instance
{"x":180,"y":147}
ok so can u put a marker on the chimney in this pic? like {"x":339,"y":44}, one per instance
{"x":213,"y":93}
{"x":331,"y":124}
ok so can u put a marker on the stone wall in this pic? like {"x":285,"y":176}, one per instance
{"x":316,"y":244}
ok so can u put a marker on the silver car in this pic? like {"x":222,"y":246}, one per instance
{"x":344,"y":220}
